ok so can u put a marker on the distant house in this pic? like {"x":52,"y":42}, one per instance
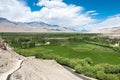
{"x":37,"y":44}
{"x":116,"y":45}
{"x":47,"y":43}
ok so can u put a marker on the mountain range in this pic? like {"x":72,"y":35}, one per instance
{"x":115,"y":30}
{"x":9,"y":26}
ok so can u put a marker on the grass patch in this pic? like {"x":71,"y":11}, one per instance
{"x":97,"y":53}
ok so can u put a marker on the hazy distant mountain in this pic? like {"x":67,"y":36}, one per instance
{"x":107,"y":30}
{"x":9,"y":26}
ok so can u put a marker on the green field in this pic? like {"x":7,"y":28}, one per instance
{"x":79,"y":50}
{"x":89,"y":54}
{"x":83,"y":50}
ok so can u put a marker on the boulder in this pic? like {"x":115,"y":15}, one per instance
{"x":3,"y":45}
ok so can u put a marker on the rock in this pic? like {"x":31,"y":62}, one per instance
{"x":3,"y":45}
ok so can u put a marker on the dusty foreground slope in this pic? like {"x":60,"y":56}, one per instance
{"x":36,"y":69}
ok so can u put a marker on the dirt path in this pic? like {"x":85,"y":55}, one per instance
{"x":5,"y":75}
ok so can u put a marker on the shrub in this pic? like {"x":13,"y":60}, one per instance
{"x":72,"y":63}
{"x":88,"y":60}
{"x":39,"y":55}
{"x":84,"y":63}
{"x":111,"y":77}
{"x":101,"y":75}
{"x":111,"y":68}
{"x":90,"y":74}
{"x":89,"y":71}
{"x":79,"y":68}
{"x":63,"y":61}
{"x":98,"y":67}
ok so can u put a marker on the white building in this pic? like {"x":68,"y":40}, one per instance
{"x":116,"y":45}
{"x":47,"y":43}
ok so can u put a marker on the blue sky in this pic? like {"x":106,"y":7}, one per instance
{"x":105,"y":8}
{"x":31,"y":4}
{"x":78,"y":14}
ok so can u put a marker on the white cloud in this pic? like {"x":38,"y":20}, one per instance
{"x":53,"y":12}
{"x":52,"y":3}
{"x":12,"y":9}
{"x":113,"y":21}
